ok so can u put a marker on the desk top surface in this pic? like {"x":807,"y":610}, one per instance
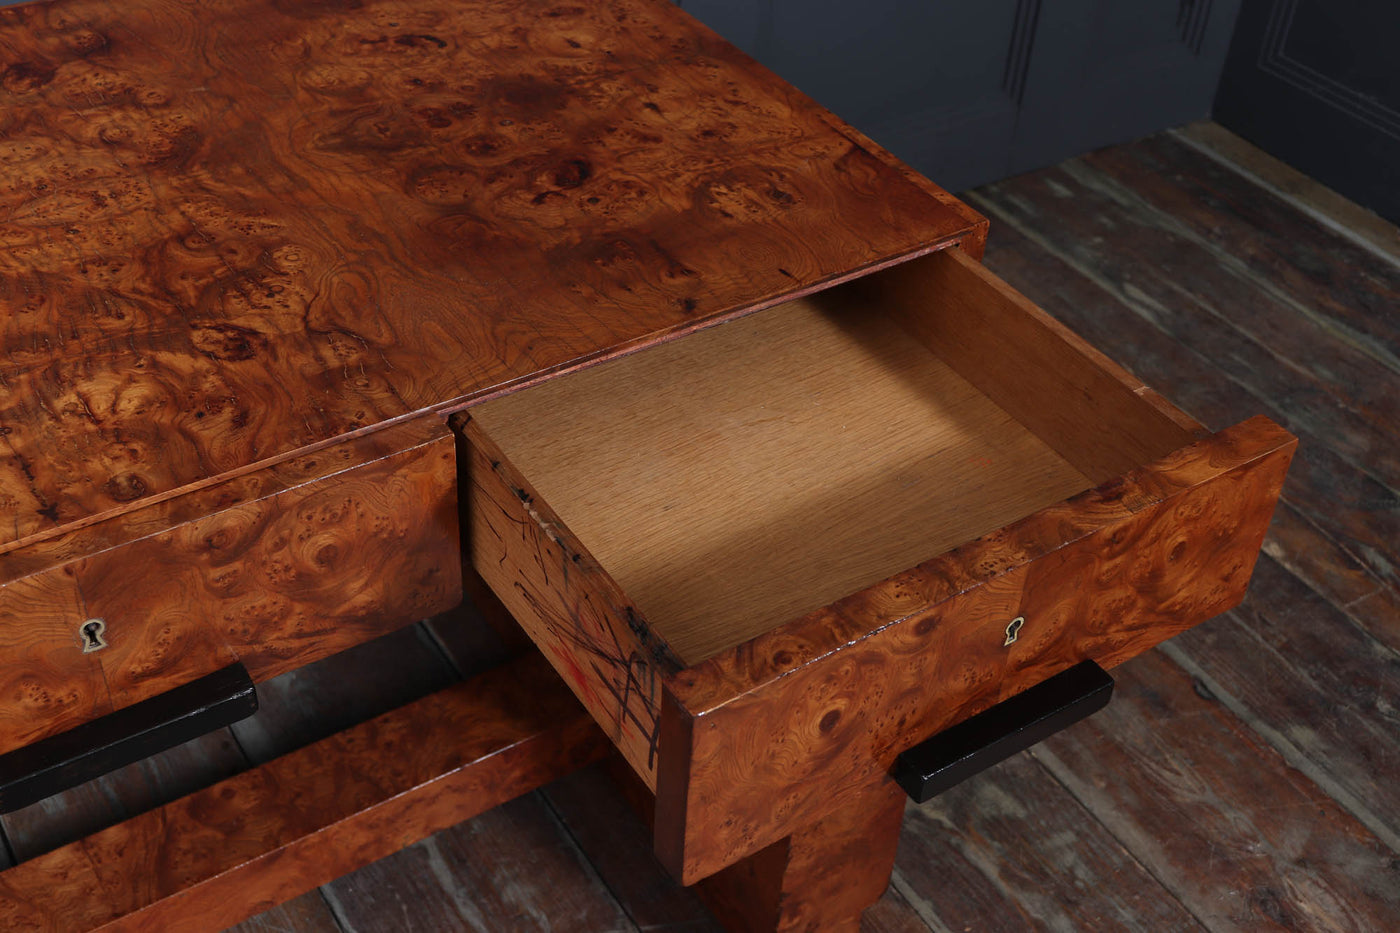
{"x":234,"y":230}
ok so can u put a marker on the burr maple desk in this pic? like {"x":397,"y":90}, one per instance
{"x":307,"y":304}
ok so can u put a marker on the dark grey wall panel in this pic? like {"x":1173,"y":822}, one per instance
{"x":1316,"y":83}
{"x":927,"y":80}
{"x":971,"y":92}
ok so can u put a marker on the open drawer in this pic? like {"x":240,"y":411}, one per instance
{"x":770,"y":556}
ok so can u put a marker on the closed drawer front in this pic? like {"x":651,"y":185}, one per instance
{"x":282,"y":568}
{"x":772,"y":555}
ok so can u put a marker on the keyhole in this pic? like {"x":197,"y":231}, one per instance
{"x":1013,"y":630}
{"x":91,"y":631}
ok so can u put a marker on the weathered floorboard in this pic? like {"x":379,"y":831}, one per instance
{"x":512,"y":868}
{"x":1337,"y":521}
{"x":1013,"y":850}
{"x":1267,"y":341}
{"x":306,"y":914}
{"x":892,"y":914}
{"x":1345,"y":288}
{"x":617,"y":842}
{"x":1274,"y":179}
{"x":1218,"y":816}
{"x":1315,"y":685}
{"x":1310,"y":660}
{"x":1207,"y":806}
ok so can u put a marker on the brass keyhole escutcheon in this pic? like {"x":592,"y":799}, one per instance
{"x":1013,"y":630}
{"x":91,"y":634}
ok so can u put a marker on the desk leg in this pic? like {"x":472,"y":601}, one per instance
{"x":821,"y":878}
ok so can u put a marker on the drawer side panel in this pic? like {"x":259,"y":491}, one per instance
{"x":569,"y":606}
{"x":1176,"y":546}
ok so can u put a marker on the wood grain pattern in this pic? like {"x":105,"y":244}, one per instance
{"x":1058,"y":867}
{"x":237,"y":230}
{"x":317,"y":700}
{"x":121,"y":794}
{"x":47,"y":684}
{"x":1013,"y":850}
{"x":798,"y":717}
{"x":1258,"y":348}
{"x":273,"y":226}
{"x":512,"y":869}
{"x":821,"y":878}
{"x":567,"y":603}
{"x":974,"y":242}
{"x":608,"y":814}
{"x":1294,"y":858}
{"x":294,"y":710}
{"x":1084,"y":405}
{"x":274,"y":582}
{"x":755,"y":741}
{"x":156,"y":514}
{"x":1334,"y":526}
{"x":261,"y":837}
{"x":757,"y":471}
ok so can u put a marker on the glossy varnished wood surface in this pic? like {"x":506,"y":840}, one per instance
{"x":753,"y":738}
{"x":1243,"y":740}
{"x":757,"y":471}
{"x":1367,"y":531}
{"x":819,"y":879}
{"x":323,"y":553}
{"x":266,"y":835}
{"x":754,"y":741}
{"x":236,"y":230}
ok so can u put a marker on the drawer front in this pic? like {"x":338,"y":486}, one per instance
{"x":756,"y":742}
{"x":755,"y":695}
{"x":47,"y":682}
{"x":275,"y":582}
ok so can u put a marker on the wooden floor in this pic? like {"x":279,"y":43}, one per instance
{"x":1245,"y":777}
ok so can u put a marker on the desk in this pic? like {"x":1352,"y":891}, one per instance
{"x":283,"y":282}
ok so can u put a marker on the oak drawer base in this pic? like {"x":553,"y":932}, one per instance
{"x":772,"y":556}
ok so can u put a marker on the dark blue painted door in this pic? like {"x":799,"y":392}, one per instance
{"x":1317,"y":83}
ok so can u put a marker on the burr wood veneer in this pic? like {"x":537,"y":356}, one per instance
{"x":772,"y":556}
{"x":734,"y":423}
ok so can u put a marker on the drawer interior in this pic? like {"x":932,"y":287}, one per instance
{"x":760,"y":469}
